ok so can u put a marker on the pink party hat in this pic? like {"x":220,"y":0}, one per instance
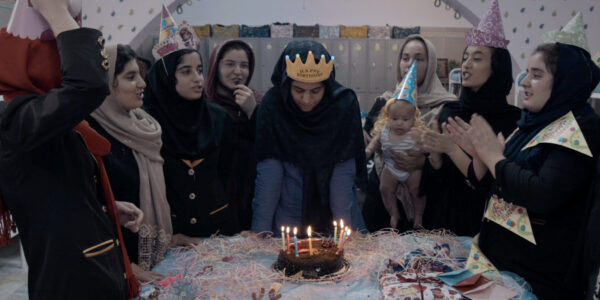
{"x":490,"y":31}
{"x":26,"y":23}
{"x":173,"y":37}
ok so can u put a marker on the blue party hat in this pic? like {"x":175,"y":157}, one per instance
{"x":408,"y":86}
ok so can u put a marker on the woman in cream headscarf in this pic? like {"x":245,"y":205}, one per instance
{"x":134,"y":165}
{"x":431,"y":97}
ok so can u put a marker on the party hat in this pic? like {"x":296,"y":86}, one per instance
{"x":408,"y":86}
{"x":172,"y":37}
{"x":572,"y":34}
{"x":26,"y":23}
{"x":490,"y":31}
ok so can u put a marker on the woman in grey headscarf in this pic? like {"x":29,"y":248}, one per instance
{"x":431,"y":98}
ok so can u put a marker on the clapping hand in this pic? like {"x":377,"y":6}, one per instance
{"x":488,"y":145}
{"x":457,"y":128}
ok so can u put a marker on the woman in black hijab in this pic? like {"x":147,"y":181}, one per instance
{"x":230,"y":70}
{"x":196,"y":145}
{"x":452,"y":202}
{"x":544,"y":173}
{"x":309,"y":146}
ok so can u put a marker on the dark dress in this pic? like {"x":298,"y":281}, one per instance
{"x":197,"y":149}
{"x":124,"y":177}
{"x":452,"y":202}
{"x":556,"y":208}
{"x":592,"y":235}
{"x":240,"y":185}
{"x":552,"y":182}
{"x":50,"y":182}
{"x":196,"y":195}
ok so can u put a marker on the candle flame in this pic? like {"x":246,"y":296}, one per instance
{"x":282,"y":229}
{"x":309,"y":231}
{"x":287,"y":230}
{"x":295,"y":230}
{"x":334,"y":223}
{"x":342,"y":223}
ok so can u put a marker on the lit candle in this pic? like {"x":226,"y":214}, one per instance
{"x":341,"y":239}
{"x":282,"y":238}
{"x":310,"y":250}
{"x":334,"y":232}
{"x":287,"y":230}
{"x":348,"y":232}
{"x":296,"y":240}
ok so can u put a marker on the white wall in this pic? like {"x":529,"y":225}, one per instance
{"x":129,"y":21}
{"x":525,"y":21}
{"x":326,"y":12}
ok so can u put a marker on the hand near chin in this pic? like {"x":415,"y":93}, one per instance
{"x":244,"y":97}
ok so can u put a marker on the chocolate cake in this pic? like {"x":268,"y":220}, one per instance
{"x":323,"y":261}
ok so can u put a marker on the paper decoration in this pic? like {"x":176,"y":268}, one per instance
{"x":510,"y":216}
{"x":477,"y":263}
{"x":565,"y":132}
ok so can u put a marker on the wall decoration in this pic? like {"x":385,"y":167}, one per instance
{"x":523,"y":20}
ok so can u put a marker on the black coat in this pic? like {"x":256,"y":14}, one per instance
{"x":50,"y":184}
{"x":199,"y":207}
{"x":240,"y":185}
{"x":554,"y":188}
{"x":452,"y":202}
{"x":124,"y":177}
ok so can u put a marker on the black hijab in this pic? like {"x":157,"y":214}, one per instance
{"x":575,"y":78}
{"x":490,"y":100}
{"x":191,"y":129}
{"x":313,"y":141}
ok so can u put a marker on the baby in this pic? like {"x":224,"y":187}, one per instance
{"x":390,"y":133}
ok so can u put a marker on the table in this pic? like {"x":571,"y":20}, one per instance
{"x":236,"y":267}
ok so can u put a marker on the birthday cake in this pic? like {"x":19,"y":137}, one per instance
{"x":324,"y":259}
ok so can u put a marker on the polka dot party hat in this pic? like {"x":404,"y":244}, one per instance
{"x":490,"y":31}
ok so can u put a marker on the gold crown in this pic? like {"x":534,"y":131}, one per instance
{"x":309,"y":71}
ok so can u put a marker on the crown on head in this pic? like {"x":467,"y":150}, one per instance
{"x":309,"y":71}
{"x":173,"y":37}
